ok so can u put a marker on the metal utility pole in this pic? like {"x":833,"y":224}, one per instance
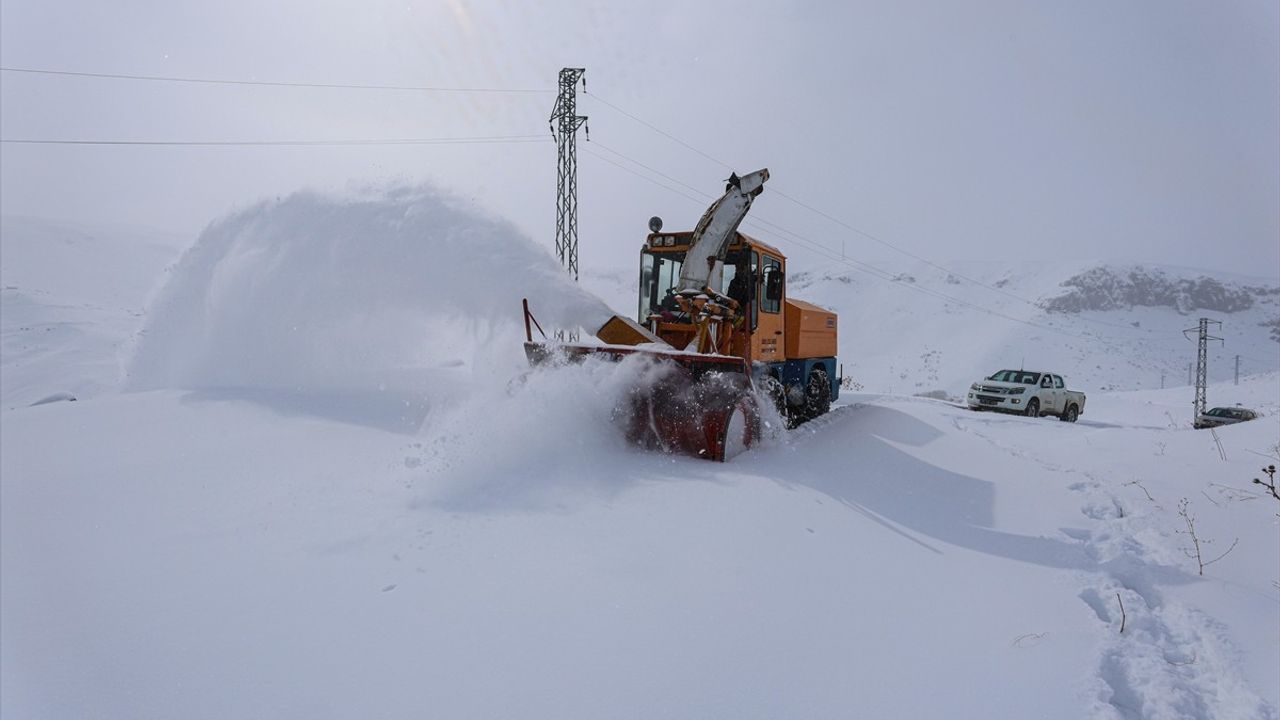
{"x":565,"y":122}
{"x":1237,"y":369}
{"x":1202,"y":362}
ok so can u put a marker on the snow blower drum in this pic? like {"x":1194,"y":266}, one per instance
{"x":692,"y":407}
{"x":690,"y":403}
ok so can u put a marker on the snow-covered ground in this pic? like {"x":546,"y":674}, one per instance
{"x":322,"y":483}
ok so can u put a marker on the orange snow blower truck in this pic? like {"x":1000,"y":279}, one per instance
{"x":715,"y":315}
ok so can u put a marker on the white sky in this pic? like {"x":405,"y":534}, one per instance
{"x":1136,"y":131}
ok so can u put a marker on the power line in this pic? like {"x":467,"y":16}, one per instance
{"x":495,"y":139}
{"x":266,"y":83}
{"x":619,"y":165}
{"x":856,"y":265}
{"x":658,"y":130}
{"x":700,"y":197}
{"x":659,"y":173}
{"x":846,"y":225}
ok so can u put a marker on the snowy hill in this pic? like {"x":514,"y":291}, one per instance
{"x":1104,"y":327}
{"x":334,"y":489}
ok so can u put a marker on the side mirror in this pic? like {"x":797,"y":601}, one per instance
{"x":773,"y":285}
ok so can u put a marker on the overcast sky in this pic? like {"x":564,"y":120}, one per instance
{"x":1131,"y":131}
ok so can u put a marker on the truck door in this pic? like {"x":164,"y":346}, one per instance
{"x":767,"y":340}
{"x":1049,"y":401}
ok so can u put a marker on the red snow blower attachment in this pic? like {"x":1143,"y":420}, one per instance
{"x":685,"y":402}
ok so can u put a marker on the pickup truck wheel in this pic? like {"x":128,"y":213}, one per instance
{"x":1071,"y":414}
{"x":1033,"y":408}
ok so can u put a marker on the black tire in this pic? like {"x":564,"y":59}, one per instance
{"x":817,"y":394}
{"x":1033,"y":408}
{"x":772,"y":388}
{"x":1070,"y":414}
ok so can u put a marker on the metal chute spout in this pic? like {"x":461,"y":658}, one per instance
{"x":713,"y":233}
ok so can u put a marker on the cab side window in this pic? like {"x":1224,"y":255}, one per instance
{"x":755,"y":273}
{"x":771,"y":278}
{"x":1057,"y":382}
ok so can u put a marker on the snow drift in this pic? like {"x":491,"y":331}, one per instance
{"x":400,"y":293}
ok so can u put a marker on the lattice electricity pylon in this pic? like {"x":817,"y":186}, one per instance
{"x":565,"y":122}
{"x":1202,"y":363}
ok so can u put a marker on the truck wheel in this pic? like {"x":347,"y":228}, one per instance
{"x":1071,"y":414}
{"x":817,"y":394}
{"x":772,"y":389}
{"x":1033,"y":408}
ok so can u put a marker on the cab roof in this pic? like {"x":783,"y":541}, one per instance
{"x":682,"y":238}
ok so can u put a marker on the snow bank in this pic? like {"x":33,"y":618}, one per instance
{"x":399,"y":292}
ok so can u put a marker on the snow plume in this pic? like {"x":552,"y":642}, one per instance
{"x":564,"y":431}
{"x":551,"y":433}
{"x":399,"y":292}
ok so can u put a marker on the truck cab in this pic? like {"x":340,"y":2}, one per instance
{"x":790,"y":344}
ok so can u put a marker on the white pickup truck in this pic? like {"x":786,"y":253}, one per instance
{"x":1026,"y":392}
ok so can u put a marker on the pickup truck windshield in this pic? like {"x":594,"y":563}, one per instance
{"x":1016,"y":376}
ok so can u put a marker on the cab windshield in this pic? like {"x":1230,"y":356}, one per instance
{"x":659,"y":275}
{"x":1016,"y":376}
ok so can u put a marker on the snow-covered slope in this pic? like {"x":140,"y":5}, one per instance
{"x":897,"y":336}
{"x":72,"y":298}
{"x":227,"y":543}
{"x":1102,"y":326}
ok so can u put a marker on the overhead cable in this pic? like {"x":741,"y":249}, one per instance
{"x":270,"y":83}
{"x":495,"y":139}
{"x":846,"y":225}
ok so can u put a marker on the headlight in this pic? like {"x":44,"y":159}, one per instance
{"x":974,"y":387}
{"x":1017,"y":391}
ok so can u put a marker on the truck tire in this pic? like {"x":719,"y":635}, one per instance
{"x":1072,"y":412}
{"x":817,"y":394}
{"x":1033,"y":407}
{"x":772,"y":388}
